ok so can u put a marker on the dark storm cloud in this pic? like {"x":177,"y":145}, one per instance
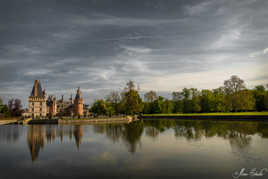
{"x":100,"y":44}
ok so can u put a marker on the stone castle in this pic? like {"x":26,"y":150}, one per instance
{"x":41,"y":106}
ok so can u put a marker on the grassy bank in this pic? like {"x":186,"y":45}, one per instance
{"x":214,"y":114}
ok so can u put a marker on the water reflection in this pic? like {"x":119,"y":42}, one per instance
{"x":239,"y":134}
{"x":129,"y":134}
{"x":10,"y":133}
{"x":36,"y":136}
{"x":78,"y":134}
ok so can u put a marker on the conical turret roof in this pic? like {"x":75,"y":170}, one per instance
{"x":78,"y":94}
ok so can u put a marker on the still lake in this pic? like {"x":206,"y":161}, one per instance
{"x":142,"y":149}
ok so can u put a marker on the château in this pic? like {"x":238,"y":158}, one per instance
{"x":41,"y":106}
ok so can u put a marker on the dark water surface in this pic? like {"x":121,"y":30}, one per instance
{"x":143,"y":149}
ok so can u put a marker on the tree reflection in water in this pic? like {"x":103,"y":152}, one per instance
{"x":10,"y":133}
{"x":130,"y":134}
{"x":239,"y":134}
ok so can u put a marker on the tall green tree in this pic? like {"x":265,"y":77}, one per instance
{"x":130,"y":85}
{"x":207,"y":101}
{"x":177,"y":98}
{"x":157,"y":105}
{"x":114,"y":99}
{"x":131,"y":101}
{"x":187,"y":104}
{"x":150,"y":96}
{"x":99,"y":107}
{"x":233,"y":85}
{"x":195,"y":100}
{"x":266,"y":101}
{"x":5,"y":111}
{"x":243,"y":101}
{"x":259,"y":95}
{"x":219,"y":100}
{"x":147,"y":108}
{"x":167,"y":106}
{"x":110,"y":109}
{"x":232,"y":88}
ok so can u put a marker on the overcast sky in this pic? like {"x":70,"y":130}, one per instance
{"x":163,"y":45}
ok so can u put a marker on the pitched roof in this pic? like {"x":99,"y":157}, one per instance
{"x":37,"y":89}
{"x":78,"y":94}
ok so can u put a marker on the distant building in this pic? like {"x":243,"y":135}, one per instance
{"x":86,"y":110}
{"x":52,"y":106}
{"x":65,"y":108}
{"x":39,"y":106}
{"x":78,"y":103}
{"x":37,"y":101}
{"x":25,"y":113}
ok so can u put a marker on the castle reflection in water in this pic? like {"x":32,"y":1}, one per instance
{"x":239,"y":134}
{"x":39,"y":135}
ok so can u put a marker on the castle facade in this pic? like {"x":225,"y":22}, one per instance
{"x":37,"y":101}
{"x":41,"y":106}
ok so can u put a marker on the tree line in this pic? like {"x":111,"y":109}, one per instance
{"x":233,"y":96}
{"x":127,"y":101}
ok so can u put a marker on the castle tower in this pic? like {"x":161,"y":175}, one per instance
{"x":37,"y":101}
{"x":54,"y":110}
{"x":52,"y":106}
{"x":78,"y":103}
{"x":71,"y":99}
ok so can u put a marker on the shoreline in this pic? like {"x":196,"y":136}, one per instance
{"x":7,"y":121}
{"x":209,"y":117}
{"x":114,"y":120}
{"x":262,"y":117}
